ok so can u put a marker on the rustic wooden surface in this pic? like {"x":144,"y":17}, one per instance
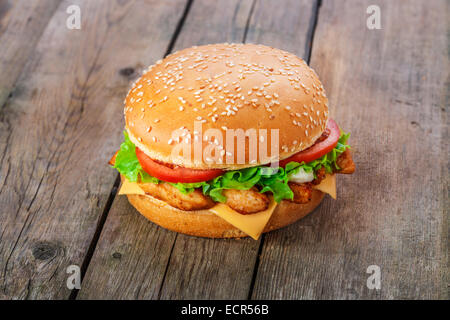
{"x":386,"y":86}
{"x":61,"y":95}
{"x":60,"y":125}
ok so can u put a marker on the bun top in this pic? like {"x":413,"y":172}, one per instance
{"x":177,"y":101}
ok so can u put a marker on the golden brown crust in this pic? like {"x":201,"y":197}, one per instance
{"x":195,"y":200}
{"x":246,"y":201}
{"x":204,"y":223}
{"x":302,"y":192}
{"x":226,"y":87}
{"x":345,"y":163}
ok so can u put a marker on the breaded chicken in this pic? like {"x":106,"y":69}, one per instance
{"x":302,"y":192}
{"x":242,"y":201}
{"x":320,"y":175}
{"x":166,"y":192}
{"x":345,"y":163}
{"x":246,"y":201}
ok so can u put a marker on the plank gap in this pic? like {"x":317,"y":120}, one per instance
{"x":112,"y":195}
{"x":308,"y":51}
{"x":170,"y":48}
{"x":247,"y":24}
{"x":178,"y":28}
{"x":98,"y":231}
{"x":312,"y":30}
{"x":167,"y":266}
{"x":255,"y":268}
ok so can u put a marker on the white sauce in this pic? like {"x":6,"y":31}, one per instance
{"x":301,"y":176}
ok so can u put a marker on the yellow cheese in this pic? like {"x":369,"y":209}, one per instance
{"x":328,"y":185}
{"x":128,"y":187}
{"x":251,"y":224}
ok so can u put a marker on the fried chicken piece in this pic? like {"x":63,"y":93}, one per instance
{"x":246,"y":201}
{"x":320,"y":175}
{"x":302,"y":192}
{"x":195,"y":200}
{"x":345,"y":162}
{"x":242,"y":201}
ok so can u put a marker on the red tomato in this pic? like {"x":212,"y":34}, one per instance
{"x":323,"y":145}
{"x":174,"y":173}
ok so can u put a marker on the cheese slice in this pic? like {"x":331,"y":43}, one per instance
{"x":251,"y":224}
{"x":129,"y":187}
{"x":328,"y":185}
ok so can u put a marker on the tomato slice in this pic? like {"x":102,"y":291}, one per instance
{"x":174,"y":173}
{"x":323,"y":145}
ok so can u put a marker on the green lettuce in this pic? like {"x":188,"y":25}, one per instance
{"x":327,"y":161}
{"x":128,"y":164}
{"x":273,"y":180}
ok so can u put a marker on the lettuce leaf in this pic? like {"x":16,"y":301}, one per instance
{"x":128,"y":164}
{"x":267,"y":179}
{"x":328,"y":161}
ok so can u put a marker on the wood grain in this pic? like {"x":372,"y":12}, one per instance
{"x":287,"y":25}
{"x":388,"y":88}
{"x":61,"y":95}
{"x":206,"y":22}
{"x":211,"y":268}
{"x":58,"y":131}
{"x":223,"y":269}
{"x":21,"y":25}
{"x":198,"y":268}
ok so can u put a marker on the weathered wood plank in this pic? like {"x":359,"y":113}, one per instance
{"x":117,"y":269}
{"x":21,"y":24}
{"x":58,"y":131}
{"x":211,"y":268}
{"x":207,"y":22}
{"x":388,"y":88}
{"x":198,"y":268}
{"x":223,"y":269}
{"x":286,"y":25}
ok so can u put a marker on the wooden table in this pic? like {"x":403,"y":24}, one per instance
{"x":61,"y":119}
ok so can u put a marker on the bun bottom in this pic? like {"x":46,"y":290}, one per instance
{"x":203,"y":223}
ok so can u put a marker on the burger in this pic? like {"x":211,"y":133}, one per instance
{"x":229,"y":140}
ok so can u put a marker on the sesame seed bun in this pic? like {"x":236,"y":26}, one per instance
{"x":204,"y":223}
{"x":223,"y":87}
